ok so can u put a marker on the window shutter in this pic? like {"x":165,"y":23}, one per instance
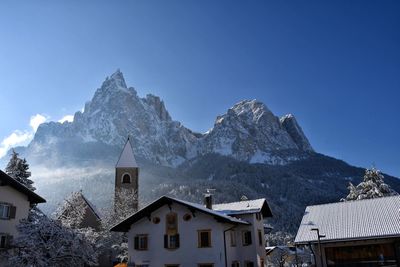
{"x":136,"y":242}
{"x":9,"y":239}
{"x":13,"y":210}
{"x":177,"y":241}
{"x":249,"y":237}
{"x":165,"y":241}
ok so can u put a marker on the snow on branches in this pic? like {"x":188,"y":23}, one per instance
{"x":46,"y":242}
{"x":372,"y":186}
{"x":18,"y":169}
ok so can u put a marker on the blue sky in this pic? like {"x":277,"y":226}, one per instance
{"x":334,"y":64}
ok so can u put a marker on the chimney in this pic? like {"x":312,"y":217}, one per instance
{"x":208,"y":201}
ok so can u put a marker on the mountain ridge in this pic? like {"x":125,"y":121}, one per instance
{"x":249,"y":151}
{"x":248,"y":131}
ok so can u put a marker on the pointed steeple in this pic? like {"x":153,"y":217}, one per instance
{"x":127,"y":159}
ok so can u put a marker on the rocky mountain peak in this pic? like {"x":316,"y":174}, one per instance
{"x":158,"y":106}
{"x":248,"y":131}
{"x":250,"y":111}
{"x":116,"y":80}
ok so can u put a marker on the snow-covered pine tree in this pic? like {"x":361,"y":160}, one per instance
{"x":45,"y":242}
{"x":372,"y":186}
{"x":18,"y":169}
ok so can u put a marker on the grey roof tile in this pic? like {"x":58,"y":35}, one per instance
{"x":360,"y":219}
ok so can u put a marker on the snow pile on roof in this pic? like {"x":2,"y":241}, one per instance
{"x":360,"y":219}
{"x":240,"y":207}
{"x":209,"y":211}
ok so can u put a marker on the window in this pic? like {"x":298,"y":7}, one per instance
{"x":4,"y":211}
{"x":171,"y":238}
{"x":171,"y":241}
{"x":204,"y":238}
{"x":248,"y":264}
{"x":235,"y":264}
{"x":5,"y":240}
{"x":141,"y":242}
{"x":233,"y":238}
{"x":258,"y":216}
{"x":246,"y":239}
{"x":126,"y":179}
{"x":205,"y":265}
{"x":260,"y":238}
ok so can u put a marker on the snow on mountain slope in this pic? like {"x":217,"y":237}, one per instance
{"x":249,"y":131}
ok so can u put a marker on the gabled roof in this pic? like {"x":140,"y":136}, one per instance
{"x":127,"y":158}
{"x":351,"y":220}
{"x":125,"y":225}
{"x":243,"y":207}
{"x":5,"y":179}
{"x":91,"y":206}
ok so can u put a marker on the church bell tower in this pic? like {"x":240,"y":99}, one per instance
{"x":126,"y":180}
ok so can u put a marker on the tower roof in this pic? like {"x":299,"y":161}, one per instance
{"x":127,"y":159}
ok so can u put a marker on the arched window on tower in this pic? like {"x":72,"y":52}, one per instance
{"x":126,"y":179}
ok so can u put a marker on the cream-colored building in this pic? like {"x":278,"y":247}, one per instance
{"x":175,"y":233}
{"x":15,"y":202}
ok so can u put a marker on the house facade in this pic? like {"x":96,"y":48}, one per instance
{"x":171,"y":232}
{"x":353,"y":233}
{"x":15,"y":202}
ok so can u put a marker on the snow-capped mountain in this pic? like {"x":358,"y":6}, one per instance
{"x":249,"y":131}
{"x":80,"y":155}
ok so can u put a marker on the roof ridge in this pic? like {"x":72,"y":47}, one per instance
{"x":21,"y":187}
{"x":90,"y":204}
{"x":240,"y":201}
{"x":352,"y":201}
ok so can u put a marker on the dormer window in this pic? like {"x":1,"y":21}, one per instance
{"x":126,"y":179}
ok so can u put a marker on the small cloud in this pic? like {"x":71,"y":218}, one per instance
{"x":14,"y":139}
{"x":36,"y":120}
{"x":69,"y":118}
{"x":20,"y":138}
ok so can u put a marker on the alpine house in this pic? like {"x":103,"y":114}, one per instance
{"x":171,"y":232}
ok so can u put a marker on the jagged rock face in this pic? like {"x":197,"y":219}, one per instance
{"x":249,"y":131}
{"x":115,"y":112}
{"x":291,"y":126}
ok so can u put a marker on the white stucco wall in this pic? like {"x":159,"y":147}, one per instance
{"x":253,"y":252}
{"x":20,"y":201}
{"x":188,"y":254}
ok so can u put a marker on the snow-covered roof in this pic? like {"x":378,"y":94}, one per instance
{"x":351,"y":220}
{"x":127,"y":159}
{"x":243,"y":207}
{"x":5,"y":179}
{"x":125,"y":225}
